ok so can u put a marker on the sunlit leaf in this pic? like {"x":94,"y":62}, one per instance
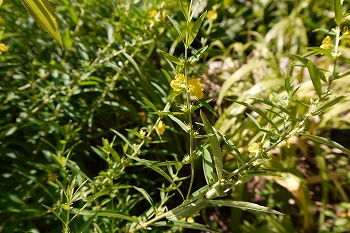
{"x":338,"y":12}
{"x":183,"y":212}
{"x":328,"y":142}
{"x":244,"y":206}
{"x":171,"y":58}
{"x":328,"y":104}
{"x":195,"y":28}
{"x":215,"y":146}
{"x":208,"y":168}
{"x":43,"y":13}
{"x":315,"y":77}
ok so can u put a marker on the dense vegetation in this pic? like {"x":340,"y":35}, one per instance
{"x":146,"y":102}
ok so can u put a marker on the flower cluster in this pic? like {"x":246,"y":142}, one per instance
{"x":327,"y":43}
{"x":195,"y":88}
{"x":3,"y":48}
{"x":161,"y":127}
{"x":212,"y":15}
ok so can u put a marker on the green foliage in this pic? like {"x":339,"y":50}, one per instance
{"x":121,"y":126}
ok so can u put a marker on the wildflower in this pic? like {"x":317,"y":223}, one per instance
{"x":346,"y":31}
{"x":254,"y":148}
{"x":288,"y":142}
{"x":212,"y":15}
{"x":178,"y":83}
{"x":152,"y":14}
{"x":142,"y":133}
{"x":161,"y":127}
{"x":164,"y":15}
{"x":195,"y":88}
{"x":326,"y":43}
{"x":3,"y":48}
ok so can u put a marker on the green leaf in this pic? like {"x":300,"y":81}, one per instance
{"x":188,"y":225}
{"x":195,"y":28}
{"x":43,"y":13}
{"x":328,"y":104}
{"x":172,"y":58}
{"x":338,"y":12}
{"x":315,"y":77}
{"x":327,"y":142}
{"x":244,"y":206}
{"x":205,"y":104}
{"x":109,"y":214}
{"x":197,"y":55}
{"x":215,"y":146}
{"x":230,"y":144}
{"x":254,"y":120}
{"x":176,"y":25}
{"x":188,"y":210}
{"x":150,"y":104}
{"x":154,"y":166}
{"x":208,"y":168}
{"x":122,"y":137}
{"x":1,"y":1}
{"x":86,"y":225}
{"x":148,"y":198}
{"x":259,"y":111}
{"x":319,"y":50}
{"x":185,"y":9}
{"x":179,"y":122}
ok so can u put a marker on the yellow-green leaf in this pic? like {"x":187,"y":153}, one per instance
{"x":43,"y":13}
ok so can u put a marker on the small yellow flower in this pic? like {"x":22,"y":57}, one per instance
{"x":152,"y":14}
{"x":288,"y":142}
{"x":254,"y":148}
{"x":164,"y":15}
{"x":161,"y":127}
{"x":326,"y":43}
{"x":178,"y":83}
{"x":346,"y":31}
{"x":195,"y":88}
{"x":142,"y":132}
{"x":212,"y":15}
{"x":3,"y":48}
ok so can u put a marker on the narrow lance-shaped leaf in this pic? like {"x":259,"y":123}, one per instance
{"x":147,"y":197}
{"x":208,"y":168}
{"x":194,"y":30}
{"x":185,"y":9}
{"x":327,"y":142}
{"x":43,"y":13}
{"x":315,"y":77}
{"x":338,"y":12}
{"x":172,"y":58}
{"x":176,"y":25}
{"x":87,"y":224}
{"x":328,"y":104}
{"x":244,"y":206}
{"x":215,"y":146}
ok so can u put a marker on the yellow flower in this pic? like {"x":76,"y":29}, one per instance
{"x":254,"y":148}
{"x":212,"y":15}
{"x":326,"y":43}
{"x":3,"y":48}
{"x":142,"y":132}
{"x":195,"y":88}
{"x":164,"y":15}
{"x":161,"y":127}
{"x":178,"y":83}
{"x":346,"y":31}
{"x":152,"y":14}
